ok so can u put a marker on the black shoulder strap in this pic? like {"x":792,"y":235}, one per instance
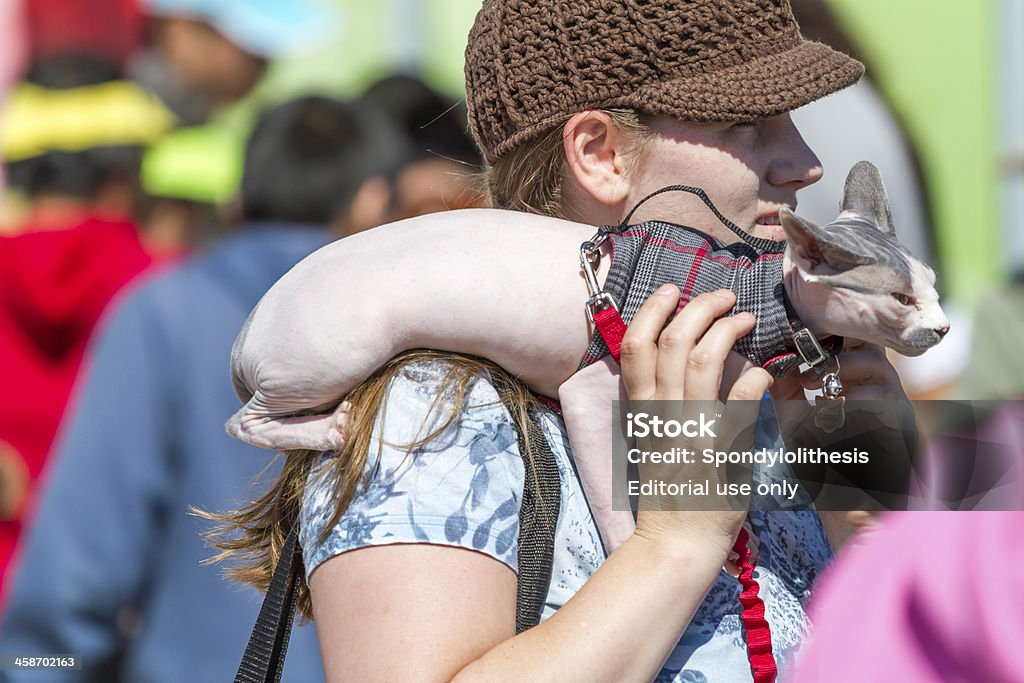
{"x":538,"y":516}
{"x":263,"y":660}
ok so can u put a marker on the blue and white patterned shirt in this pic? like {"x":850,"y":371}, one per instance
{"x":463,"y":489}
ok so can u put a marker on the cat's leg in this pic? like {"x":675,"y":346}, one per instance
{"x":317,"y":432}
{"x":502,"y":285}
{"x":586,"y":400}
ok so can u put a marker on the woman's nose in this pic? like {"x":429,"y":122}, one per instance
{"x":793,"y":161}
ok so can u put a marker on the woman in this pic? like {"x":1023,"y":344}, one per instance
{"x":580,"y":110}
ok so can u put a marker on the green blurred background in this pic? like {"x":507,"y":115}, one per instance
{"x":937,"y":63}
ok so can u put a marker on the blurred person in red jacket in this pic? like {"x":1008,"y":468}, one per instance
{"x":72,"y":136}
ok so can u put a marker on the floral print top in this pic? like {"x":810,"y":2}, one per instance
{"x":463,"y":489}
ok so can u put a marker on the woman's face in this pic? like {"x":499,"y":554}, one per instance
{"x":749,"y":170}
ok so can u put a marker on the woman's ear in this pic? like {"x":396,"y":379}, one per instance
{"x":597,"y":156}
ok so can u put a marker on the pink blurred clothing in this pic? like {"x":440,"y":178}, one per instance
{"x":930,"y":596}
{"x":934,"y":596}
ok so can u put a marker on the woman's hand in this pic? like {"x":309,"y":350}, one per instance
{"x":867,"y":375}
{"x":685,"y":361}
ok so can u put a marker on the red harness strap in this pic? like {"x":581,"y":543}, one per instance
{"x":609,"y":323}
{"x":758,"y":633}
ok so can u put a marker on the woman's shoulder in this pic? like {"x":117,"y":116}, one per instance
{"x":433,"y":374}
{"x":433,"y":476}
{"x":429,"y":398}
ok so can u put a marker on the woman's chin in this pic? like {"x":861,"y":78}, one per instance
{"x":769,"y":232}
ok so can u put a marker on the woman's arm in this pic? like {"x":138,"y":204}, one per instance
{"x":434,"y":613}
{"x":429,"y":613}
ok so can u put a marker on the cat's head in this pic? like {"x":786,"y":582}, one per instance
{"x":857,"y":280}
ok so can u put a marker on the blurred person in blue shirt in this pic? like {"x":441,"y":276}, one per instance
{"x":113,"y":565}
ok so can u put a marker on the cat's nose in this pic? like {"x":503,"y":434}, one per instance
{"x":941,"y":331}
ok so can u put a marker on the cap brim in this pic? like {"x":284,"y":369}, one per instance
{"x":761,"y":88}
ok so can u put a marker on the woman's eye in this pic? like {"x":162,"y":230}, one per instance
{"x":902,"y":298}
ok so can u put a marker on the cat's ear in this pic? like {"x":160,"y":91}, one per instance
{"x":814,"y":249}
{"x":865,"y":196}
{"x":802,"y":240}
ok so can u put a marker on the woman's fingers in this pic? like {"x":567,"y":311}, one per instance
{"x":706,"y":362}
{"x":868,"y":365}
{"x":870,"y":379}
{"x":751,"y":385}
{"x":639,"y":351}
{"x":678,"y":357}
{"x":731,"y":565}
{"x":685,"y":358}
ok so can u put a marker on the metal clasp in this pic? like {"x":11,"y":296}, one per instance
{"x":809,"y":348}
{"x":814,"y":355}
{"x":599,"y":302}
{"x":590,"y":261}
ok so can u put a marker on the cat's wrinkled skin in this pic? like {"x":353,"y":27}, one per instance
{"x":853,"y":278}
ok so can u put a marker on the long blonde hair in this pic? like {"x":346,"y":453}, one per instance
{"x":251,"y":538}
{"x":529,"y":178}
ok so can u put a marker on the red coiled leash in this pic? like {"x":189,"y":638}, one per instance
{"x":759,"y":634}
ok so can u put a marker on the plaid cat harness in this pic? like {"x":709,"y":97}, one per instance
{"x":648,"y":255}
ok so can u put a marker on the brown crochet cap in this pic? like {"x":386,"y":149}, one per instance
{"x":534,"y":63}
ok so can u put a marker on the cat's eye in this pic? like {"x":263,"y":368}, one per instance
{"x":902,"y":298}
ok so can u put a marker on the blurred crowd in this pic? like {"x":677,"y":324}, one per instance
{"x":151,"y":194}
